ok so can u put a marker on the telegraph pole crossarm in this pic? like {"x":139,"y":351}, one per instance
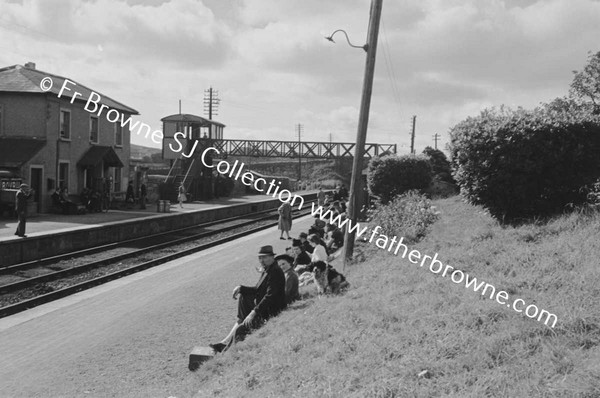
{"x":436,"y":137}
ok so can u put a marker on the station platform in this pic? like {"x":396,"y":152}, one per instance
{"x":132,"y":337}
{"x":53,"y":234}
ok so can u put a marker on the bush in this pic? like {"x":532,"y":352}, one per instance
{"x":408,"y":215}
{"x":521,"y":164}
{"x":440,"y":166}
{"x":389,"y":176}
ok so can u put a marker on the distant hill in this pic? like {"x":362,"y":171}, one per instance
{"x":139,"y":151}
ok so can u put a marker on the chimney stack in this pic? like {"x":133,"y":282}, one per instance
{"x":30,"y":65}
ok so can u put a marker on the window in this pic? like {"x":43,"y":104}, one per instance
{"x":117,"y":179}
{"x":118,"y":134}
{"x":1,"y":118}
{"x":93,"y":129}
{"x":65,"y":124}
{"x":63,"y":175}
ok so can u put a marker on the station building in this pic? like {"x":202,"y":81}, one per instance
{"x":52,"y":142}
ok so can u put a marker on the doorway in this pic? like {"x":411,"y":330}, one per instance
{"x":35,"y":181}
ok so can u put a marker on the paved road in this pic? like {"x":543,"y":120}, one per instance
{"x":131,"y":337}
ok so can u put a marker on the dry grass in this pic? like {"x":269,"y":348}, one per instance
{"x":398,"y":320}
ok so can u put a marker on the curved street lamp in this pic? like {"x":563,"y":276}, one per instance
{"x":330,"y":38}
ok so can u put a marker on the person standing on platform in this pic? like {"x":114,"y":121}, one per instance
{"x":321,"y":197}
{"x":343,"y":193}
{"x":143,"y":193}
{"x":21,"y":197}
{"x":285,"y":219}
{"x":129,"y":196}
{"x":257,"y":304}
{"x":181,"y":195}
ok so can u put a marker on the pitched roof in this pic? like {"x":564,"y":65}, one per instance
{"x":18,"y":78}
{"x":16,"y":151}
{"x":185,"y":117}
{"x":98,"y":153}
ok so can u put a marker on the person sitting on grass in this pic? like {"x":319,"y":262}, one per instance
{"x":302,"y":259}
{"x":291,"y":278}
{"x":318,"y":227}
{"x":257,"y":304}
{"x":319,"y":253}
{"x":334,"y":238}
{"x":303,"y":237}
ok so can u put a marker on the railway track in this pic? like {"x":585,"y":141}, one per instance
{"x":26,"y":285}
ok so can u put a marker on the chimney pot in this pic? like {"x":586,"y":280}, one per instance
{"x":30,"y":65}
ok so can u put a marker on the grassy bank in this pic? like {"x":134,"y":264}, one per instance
{"x":399,"y":320}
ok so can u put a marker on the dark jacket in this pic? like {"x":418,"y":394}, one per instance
{"x":302,"y":259}
{"x":21,"y":201}
{"x":307,"y":247}
{"x":291,"y":286}
{"x":337,"y":240}
{"x":129,"y":194}
{"x":269,"y":292}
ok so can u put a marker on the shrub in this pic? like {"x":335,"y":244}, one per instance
{"x":440,"y":166}
{"x":408,"y":215}
{"x":521,"y":164}
{"x":389,"y":176}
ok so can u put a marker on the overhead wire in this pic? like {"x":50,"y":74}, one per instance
{"x":390,"y":68}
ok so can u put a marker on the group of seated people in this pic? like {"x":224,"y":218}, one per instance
{"x":91,"y":199}
{"x":281,"y":276}
{"x":61,"y":200}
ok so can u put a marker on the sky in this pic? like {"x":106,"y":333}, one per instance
{"x":439,"y":60}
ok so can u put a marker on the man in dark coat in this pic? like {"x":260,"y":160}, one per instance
{"x":259,"y":303}
{"x":22,"y":195}
{"x":143,"y":193}
{"x":129,"y":196}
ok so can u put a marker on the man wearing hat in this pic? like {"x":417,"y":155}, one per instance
{"x":23,"y":194}
{"x":291,"y":277}
{"x":259,"y":303}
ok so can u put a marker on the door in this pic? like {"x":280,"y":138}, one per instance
{"x":36,"y":183}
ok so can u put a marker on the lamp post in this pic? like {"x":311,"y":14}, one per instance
{"x":363,"y":121}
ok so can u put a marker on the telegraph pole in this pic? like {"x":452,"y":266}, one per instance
{"x":436,"y":137}
{"x":363,"y":122}
{"x":299,"y":130}
{"x":412,"y":136}
{"x":211,"y":102}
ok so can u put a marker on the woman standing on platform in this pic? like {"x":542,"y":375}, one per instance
{"x":181,"y":196}
{"x":285,"y":219}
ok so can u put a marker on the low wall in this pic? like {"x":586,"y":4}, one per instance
{"x":35,"y":248}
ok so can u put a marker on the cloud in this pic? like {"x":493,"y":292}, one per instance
{"x":442,"y":60}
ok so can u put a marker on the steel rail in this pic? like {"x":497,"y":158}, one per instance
{"x":57,"y":294}
{"x":96,"y":249}
{"x":132,"y":254}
